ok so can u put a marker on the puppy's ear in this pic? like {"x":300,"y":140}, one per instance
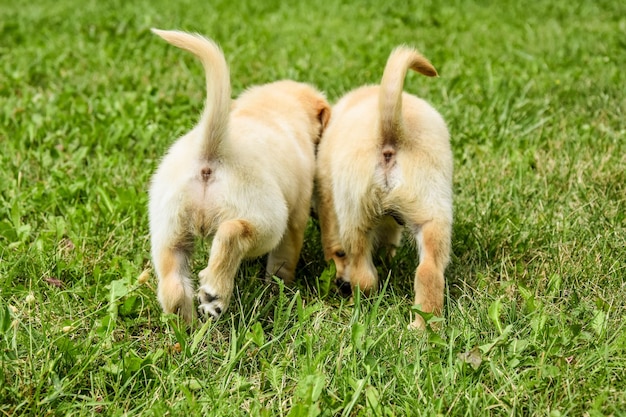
{"x":323,"y":116}
{"x":323,"y":113}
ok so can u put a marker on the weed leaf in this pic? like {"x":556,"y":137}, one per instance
{"x":325,"y":280}
{"x":494,"y":313}
{"x":472,"y":357}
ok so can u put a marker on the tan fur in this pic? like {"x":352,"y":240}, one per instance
{"x":385,"y":157}
{"x":243,"y":177}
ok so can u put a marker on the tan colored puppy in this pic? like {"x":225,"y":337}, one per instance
{"x":384,"y":162}
{"x":243,"y":176}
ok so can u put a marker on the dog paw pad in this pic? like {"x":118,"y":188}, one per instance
{"x":210,"y":303}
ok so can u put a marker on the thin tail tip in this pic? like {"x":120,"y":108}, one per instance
{"x":161,"y":33}
{"x":420,"y":63}
{"x":170,"y":34}
{"x":433,"y":71}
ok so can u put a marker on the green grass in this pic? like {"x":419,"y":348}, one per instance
{"x":533,"y":93}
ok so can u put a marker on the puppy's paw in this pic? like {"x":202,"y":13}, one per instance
{"x":418,"y":324}
{"x":176,"y":298}
{"x":210,"y":304}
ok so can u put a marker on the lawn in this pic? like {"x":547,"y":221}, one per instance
{"x":533,"y":93}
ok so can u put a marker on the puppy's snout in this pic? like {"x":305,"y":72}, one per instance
{"x":344,"y":287}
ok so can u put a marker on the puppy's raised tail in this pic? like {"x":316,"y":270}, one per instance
{"x":217,"y":105}
{"x":390,"y":96}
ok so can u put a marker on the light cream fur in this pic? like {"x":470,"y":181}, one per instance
{"x":242,"y":176}
{"x":385,"y":159}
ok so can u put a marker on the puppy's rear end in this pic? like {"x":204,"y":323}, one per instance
{"x":189,"y":164}
{"x":400,"y":172}
{"x":414,"y":133}
{"x":243,"y":177}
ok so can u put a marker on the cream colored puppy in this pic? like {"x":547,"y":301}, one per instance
{"x":243,"y":177}
{"x":385,"y":162}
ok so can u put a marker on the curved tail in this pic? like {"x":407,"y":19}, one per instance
{"x":217,"y":105}
{"x":390,"y":96}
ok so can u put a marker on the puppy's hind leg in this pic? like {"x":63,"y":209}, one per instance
{"x":175,"y":290}
{"x":283,"y":259}
{"x":234,"y":238}
{"x":433,"y":239}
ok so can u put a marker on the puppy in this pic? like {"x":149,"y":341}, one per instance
{"x":243,"y":177}
{"x":385,"y":162}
